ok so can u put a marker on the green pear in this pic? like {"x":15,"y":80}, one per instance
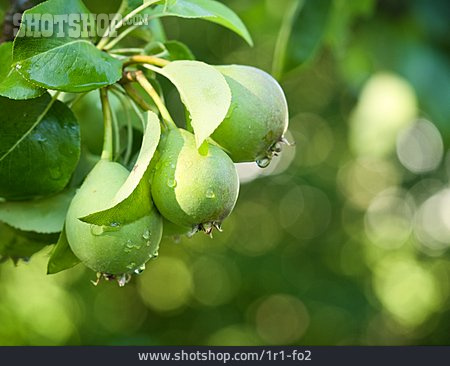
{"x":258,"y":117}
{"x":110,"y":250}
{"x":190,"y":188}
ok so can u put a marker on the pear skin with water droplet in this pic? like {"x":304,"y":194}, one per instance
{"x":105,"y":249}
{"x":207,"y":184}
{"x":258,"y":117}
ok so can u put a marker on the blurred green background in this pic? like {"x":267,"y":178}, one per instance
{"x":343,"y":240}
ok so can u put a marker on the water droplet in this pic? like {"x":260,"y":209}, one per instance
{"x":55,"y":172}
{"x":130,"y":245}
{"x":140,"y":270}
{"x":172,"y":183}
{"x":148,"y":243}
{"x":131,"y":266}
{"x":146,"y":235}
{"x":264,"y":162}
{"x":97,"y":230}
{"x":115,"y":226}
{"x":210,"y":194}
{"x":38,"y":137}
{"x":18,"y":66}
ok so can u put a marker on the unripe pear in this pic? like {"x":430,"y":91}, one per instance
{"x":258,"y":116}
{"x":191,"y":188}
{"x":171,"y":230}
{"x":110,"y":250}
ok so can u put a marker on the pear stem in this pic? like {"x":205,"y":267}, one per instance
{"x":126,"y":105}
{"x":148,"y":87}
{"x":113,"y":26}
{"x":133,"y":94}
{"x":107,"y":153}
{"x":144,"y":59}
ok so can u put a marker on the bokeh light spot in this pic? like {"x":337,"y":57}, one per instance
{"x":387,"y":104}
{"x":420,"y":147}
{"x":281,"y":319}
{"x":389,"y":218}
{"x":407,"y":290}
{"x":214,"y":285}
{"x":173,"y":287}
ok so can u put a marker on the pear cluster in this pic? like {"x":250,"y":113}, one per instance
{"x":192,"y":189}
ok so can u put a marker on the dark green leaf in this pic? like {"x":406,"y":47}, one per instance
{"x":62,"y":61}
{"x":133,"y":199}
{"x":309,"y":29}
{"x":178,"y":51}
{"x":170,"y":50}
{"x":62,"y":257}
{"x":17,"y":245}
{"x":12,"y":84}
{"x":39,"y":147}
{"x":210,"y":10}
{"x":302,"y":33}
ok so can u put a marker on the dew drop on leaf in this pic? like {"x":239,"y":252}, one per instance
{"x":55,"y":172}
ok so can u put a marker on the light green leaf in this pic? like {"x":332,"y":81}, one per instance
{"x":12,"y":84}
{"x":62,"y":257}
{"x":205,"y":93}
{"x":133,"y":199}
{"x":39,"y":147}
{"x":44,"y":215}
{"x":210,"y":10}
{"x":65,"y":60}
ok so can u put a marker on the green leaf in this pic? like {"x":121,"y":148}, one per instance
{"x":133,"y":199}
{"x":62,"y":257}
{"x":65,"y":60}
{"x":17,"y":245}
{"x":178,"y":51}
{"x":39,"y":147}
{"x":205,"y":93}
{"x":44,"y":215}
{"x":170,"y":50}
{"x":210,"y":10}
{"x":302,"y":33}
{"x":12,"y":84}
{"x":309,"y":30}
